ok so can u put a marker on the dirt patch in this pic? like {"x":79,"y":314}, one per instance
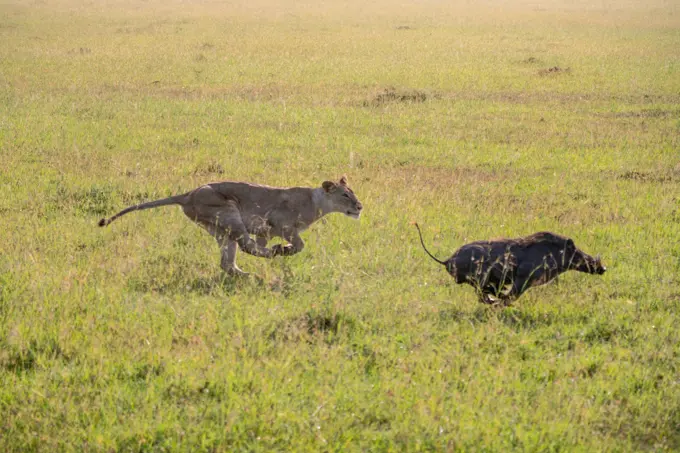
{"x":137,"y":197}
{"x":644,"y":113}
{"x":554,"y":71}
{"x":404,"y":27}
{"x":392,"y":95}
{"x":530,"y":60}
{"x":361,"y":97}
{"x":160,"y":89}
{"x":80,"y":51}
{"x":651,"y":176}
{"x":208,"y":168}
{"x":518,"y":97}
{"x":444,"y":179}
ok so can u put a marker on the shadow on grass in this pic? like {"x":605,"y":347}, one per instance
{"x":314,"y":325}
{"x":23,"y":360}
{"x":218,"y":283}
{"x":605,"y":332}
{"x":140,"y":372}
{"x":509,"y":316}
{"x":512,"y":317}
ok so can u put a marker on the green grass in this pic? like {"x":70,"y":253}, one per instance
{"x":130,"y":339}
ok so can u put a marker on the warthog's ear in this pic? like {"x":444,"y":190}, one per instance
{"x":329,"y":186}
{"x":343,"y":180}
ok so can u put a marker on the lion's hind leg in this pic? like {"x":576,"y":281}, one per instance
{"x":228,"y":259}
{"x":226,"y":220}
{"x":222,"y":219}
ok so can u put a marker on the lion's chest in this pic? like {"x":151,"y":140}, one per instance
{"x":274,"y":222}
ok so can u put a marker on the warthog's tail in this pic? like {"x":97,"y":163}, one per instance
{"x":177,"y":199}
{"x":425,"y":248}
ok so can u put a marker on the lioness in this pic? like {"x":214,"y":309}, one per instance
{"x":233,"y":211}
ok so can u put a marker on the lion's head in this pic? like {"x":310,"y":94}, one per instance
{"x":340,"y":198}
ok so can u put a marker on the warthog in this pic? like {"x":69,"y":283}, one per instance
{"x":501,"y":270}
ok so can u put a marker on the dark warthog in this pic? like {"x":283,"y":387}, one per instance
{"x":493,"y":266}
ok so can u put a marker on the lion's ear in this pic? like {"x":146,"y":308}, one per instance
{"x":343,"y":180}
{"x":328,"y":186}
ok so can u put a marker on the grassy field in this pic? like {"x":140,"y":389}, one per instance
{"x":476,"y":119}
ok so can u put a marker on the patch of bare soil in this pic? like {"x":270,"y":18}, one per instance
{"x":162,"y":89}
{"x":645,"y":113}
{"x":554,"y":71}
{"x":392,"y":95}
{"x":440,"y":180}
{"x":208,"y":168}
{"x":274,"y":92}
{"x":80,"y":51}
{"x":517,"y":97}
{"x":672,"y":175}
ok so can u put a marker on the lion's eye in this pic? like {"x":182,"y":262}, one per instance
{"x":345,"y":195}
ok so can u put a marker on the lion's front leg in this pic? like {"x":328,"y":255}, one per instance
{"x":250,"y":246}
{"x":231,"y":222}
{"x":296,"y":245}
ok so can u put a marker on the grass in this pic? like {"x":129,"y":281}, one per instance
{"x":129,"y":338}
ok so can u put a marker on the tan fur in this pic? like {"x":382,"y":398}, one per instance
{"x":233,"y":212}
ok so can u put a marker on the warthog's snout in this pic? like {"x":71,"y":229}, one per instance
{"x":583,"y":262}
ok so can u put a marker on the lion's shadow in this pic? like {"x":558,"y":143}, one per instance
{"x":203,"y":285}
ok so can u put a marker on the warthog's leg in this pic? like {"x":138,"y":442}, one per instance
{"x":519,"y":285}
{"x":527,"y":275}
{"x":296,"y":244}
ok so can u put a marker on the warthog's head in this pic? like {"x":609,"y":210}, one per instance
{"x":578,"y":260}
{"x":340,"y":198}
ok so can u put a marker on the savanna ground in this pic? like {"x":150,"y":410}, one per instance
{"x":476,"y":119}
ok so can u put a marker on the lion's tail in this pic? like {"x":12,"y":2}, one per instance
{"x":177,"y":199}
